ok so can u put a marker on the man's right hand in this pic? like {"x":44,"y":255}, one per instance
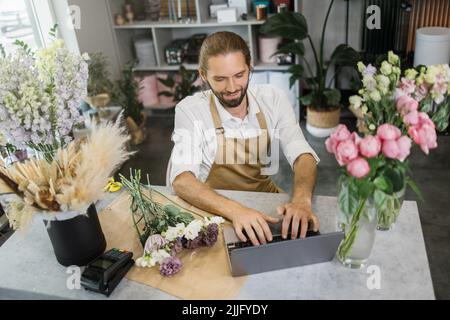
{"x":255,"y":225}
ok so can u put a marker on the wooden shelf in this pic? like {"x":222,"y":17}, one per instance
{"x":163,"y":31}
{"x":270,"y":66}
{"x":165,"y":67}
{"x":166,"y":23}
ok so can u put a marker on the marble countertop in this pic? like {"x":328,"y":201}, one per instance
{"x":29,"y":269}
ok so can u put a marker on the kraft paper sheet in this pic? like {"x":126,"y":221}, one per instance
{"x":205,"y":273}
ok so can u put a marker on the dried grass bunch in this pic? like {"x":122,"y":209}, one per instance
{"x":73,"y":180}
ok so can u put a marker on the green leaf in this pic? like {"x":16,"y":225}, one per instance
{"x":379,"y":198}
{"x":24,"y":46}
{"x":426,"y":105}
{"x":307,"y":100}
{"x":296,"y":69}
{"x":344,"y":55}
{"x":348,"y":198}
{"x":332,"y":96}
{"x":169,"y":82}
{"x":414,"y":188}
{"x":289,"y":25}
{"x":185,"y":217}
{"x":366,"y":188}
{"x":440,"y":118}
{"x":53,"y":31}
{"x":396,"y":177}
{"x":296,"y":73}
{"x":383,"y":184}
{"x":312,"y":81}
{"x":297,"y":48}
{"x":171,"y":210}
{"x":165,"y":94}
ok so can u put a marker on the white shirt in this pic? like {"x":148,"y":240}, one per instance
{"x":195,"y":138}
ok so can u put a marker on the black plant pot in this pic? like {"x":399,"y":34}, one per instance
{"x":79,"y":240}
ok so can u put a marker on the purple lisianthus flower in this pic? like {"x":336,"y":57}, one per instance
{"x":177,"y":246}
{"x":170,"y":266}
{"x":154,"y":242}
{"x":193,"y":244}
{"x":212,"y":231}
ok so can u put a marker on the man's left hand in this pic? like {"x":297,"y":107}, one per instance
{"x":299,"y":213}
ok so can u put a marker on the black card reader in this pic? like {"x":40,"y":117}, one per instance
{"x":104,"y":273}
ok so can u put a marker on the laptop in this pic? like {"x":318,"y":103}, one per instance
{"x":245,"y":259}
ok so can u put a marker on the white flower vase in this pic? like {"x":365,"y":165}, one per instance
{"x":388,"y":214}
{"x":355,"y":249}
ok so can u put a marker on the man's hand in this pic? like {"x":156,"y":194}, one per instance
{"x":300,"y":213}
{"x":255,"y":225}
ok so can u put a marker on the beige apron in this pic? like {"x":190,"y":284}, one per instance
{"x":238,"y":162}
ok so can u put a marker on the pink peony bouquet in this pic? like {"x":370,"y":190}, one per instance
{"x":398,"y":112}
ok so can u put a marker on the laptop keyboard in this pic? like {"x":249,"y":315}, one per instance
{"x":276,"y":238}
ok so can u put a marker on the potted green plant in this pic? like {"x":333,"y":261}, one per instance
{"x":323,"y":102}
{"x":125,"y":95}
{"x":182,"y":87}
{"x":99,"y":83}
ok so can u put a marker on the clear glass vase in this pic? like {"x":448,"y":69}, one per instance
{"x":387,"y":215}
{"x":359,"y":229}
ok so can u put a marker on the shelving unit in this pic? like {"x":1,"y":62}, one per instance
{"x":164,"y":31}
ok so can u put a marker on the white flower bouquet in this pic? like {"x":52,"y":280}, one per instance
{"x":165,"y":230}
{"x":40,"y":93}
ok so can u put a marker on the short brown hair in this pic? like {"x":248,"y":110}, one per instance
{"x":221,"y":43}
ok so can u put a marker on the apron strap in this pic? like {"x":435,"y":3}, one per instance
{"x":216,"y":118}
{"x":218,"y":123}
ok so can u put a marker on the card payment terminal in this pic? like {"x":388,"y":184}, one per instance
{"x":104,"y":273}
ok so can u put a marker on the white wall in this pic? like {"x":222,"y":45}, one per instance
{"x":315,"y":11}
{"x":96,"y":33}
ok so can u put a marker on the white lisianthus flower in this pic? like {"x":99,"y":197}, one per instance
{"x":85,"y":56}
{"x":420,"y":79}
{"x":361,"y":67}
{"x":382,"y":81}
{"x":355,"y":101}
{"x":411,"y":74}
{"x":217,"y":220}
{"x":192,"y":230}
{"x":364,"y":109}
{"x":375,"y":95}
{"x":438,"y":98}
{"x":174,"y":232}
{"x":431,"y":73}
{"x":369,"y":82}
{"x":386,"y":68}
{"x":383,"y":90}
{"x":138,"y":261}
{"x":143,"y":262}
{"x":393,"y":58}
{"x":158,"y":256}
{"x":446,"y":72}
{"x":396,"y":70}
{"x":371,"y":127}
{"x":2,"y":140}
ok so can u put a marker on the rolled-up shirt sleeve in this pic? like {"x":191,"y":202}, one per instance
{"x":187,"y":139}
{"x":293,"y":142}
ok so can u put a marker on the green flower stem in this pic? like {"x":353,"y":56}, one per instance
{"x":350,"y":236}
{"x":186,"y":209}
{"x":386,"y":216}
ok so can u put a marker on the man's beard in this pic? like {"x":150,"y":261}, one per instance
{"x":233,"y":103}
